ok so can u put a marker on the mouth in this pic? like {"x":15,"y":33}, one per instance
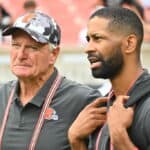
{"x":92,"y":59}
{"x":22,"y":65}
{"x":95,"y":63}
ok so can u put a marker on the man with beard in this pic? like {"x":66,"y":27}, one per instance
{"x":114,"y":40}
{"x":37,"y":109}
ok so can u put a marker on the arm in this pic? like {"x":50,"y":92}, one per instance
{"x":91,"y":117}
{"x":119,"y":119}
{"x":76,"y":144}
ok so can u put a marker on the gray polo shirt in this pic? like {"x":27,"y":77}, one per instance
{"x":69,"y":100}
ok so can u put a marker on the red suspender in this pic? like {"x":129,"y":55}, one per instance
{"x":46,"y":104}
{"x":4,"y":121}
{"x":40,"y":121}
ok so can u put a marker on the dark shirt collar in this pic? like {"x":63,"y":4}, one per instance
{"x":144,"y":76}
{"x":140,"y":79}
{"x":39,"y":98}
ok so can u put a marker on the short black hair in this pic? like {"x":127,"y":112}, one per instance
{"x":122,"y":21}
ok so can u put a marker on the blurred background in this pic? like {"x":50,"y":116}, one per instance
{"x":72,"y":16}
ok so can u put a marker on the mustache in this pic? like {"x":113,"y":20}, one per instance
{"x":95,"y":56}
{"x":21,"y":64}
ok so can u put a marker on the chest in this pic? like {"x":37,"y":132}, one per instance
{"x":21,"y":124}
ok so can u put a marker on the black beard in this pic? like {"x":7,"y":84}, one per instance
{"x":109,"y":68}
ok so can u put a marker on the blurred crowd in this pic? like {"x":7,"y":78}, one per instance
{"x":6,"y":18}
{"x":140,"y":7}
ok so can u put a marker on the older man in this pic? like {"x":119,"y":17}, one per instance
{"x":37,"y":109}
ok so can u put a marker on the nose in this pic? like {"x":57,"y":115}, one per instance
{"x":22,"y":53}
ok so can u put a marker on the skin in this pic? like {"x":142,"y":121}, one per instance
{"x":96,"y":118}
{"x":119,"y":119}
{"x":32,"y":62}
{"x":103,"y":42}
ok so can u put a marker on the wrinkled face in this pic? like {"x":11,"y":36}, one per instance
{"x":29,"y":59}
{"x":103,"y":49}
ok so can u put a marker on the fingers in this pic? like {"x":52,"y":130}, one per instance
{"x":96,"y":123}
{"x":131,"y":109}
{"x":122,"y":98}
{"x":98,"y":110}
{"x":99,"y":102}
{"x":99,"y":117}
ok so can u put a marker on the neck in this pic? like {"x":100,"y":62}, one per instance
{"x":123,"y":82}
{"x":30,"y":87}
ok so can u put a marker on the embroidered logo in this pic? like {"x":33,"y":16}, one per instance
{"x":50,"y":113}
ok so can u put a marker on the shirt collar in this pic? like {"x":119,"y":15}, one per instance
{"x":39,"y":98}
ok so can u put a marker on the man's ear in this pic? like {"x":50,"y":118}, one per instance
{"x":55,"y":51}
{"x":130,"y":43}
{"x":54,"y":54}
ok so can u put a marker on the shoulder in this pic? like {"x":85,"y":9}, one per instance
{"x":144,"y":115}
{"x":142,"y":112}
{"x":78,"y":87}
{"x":5,"y":90}
{"x":78,"y":90}
{"x":6,"y":87}
{"x":145,"y":105}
